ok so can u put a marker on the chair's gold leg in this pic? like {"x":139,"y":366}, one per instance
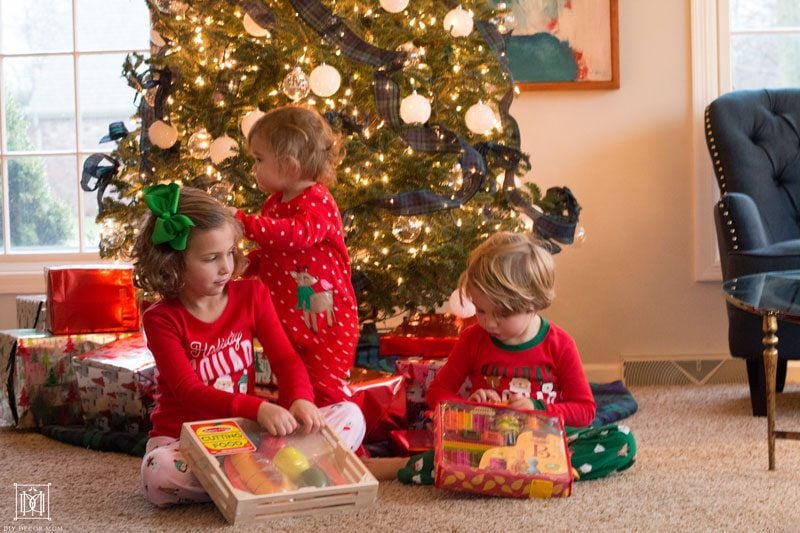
{"x":770,"y":341}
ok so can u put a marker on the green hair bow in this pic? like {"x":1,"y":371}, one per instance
{"x":170,"y":226}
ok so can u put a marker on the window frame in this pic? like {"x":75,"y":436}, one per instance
{"x":710,"y":77}
{"x":22,"y":271}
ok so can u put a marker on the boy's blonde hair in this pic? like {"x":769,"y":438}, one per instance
{"x":158,"y":267}
{"x":513,"y":270}
{"x":300,"y":132}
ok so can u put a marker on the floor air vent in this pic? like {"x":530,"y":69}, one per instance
{"x":685,"y":372}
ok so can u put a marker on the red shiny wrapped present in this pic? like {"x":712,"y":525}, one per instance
{"x":91,"y":299}
{"x":382,"y":398}
{"x":424,"y":335}
{"x":411,"y":441}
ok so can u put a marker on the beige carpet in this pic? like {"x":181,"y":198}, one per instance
{"x":702,"y":465}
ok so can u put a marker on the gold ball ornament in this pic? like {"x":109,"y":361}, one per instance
{"x":199,"y":144}
{"x":295,"y":85}
{"x":407,"y":229}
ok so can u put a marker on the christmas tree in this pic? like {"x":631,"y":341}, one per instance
{"x":419,"y":89}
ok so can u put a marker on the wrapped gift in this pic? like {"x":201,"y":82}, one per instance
{"x":91,"y":299}
{"x":32,"y":311}
{"x":411,"y":441}
{"x":382,"y":398}
{"x":500,"y":451}
{"x":116,"y":383}
{"x":254,"y":477}
{"x":425,"y":335}
{"x":40,"y":384}
{"x":419,"y":373}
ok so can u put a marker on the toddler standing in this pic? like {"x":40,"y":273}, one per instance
{"x":302,"y":257}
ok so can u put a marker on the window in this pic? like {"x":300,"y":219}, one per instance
{"x":736,"y":44}
{"x":60,"y":87}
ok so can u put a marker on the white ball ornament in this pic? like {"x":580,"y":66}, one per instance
{"x":480,"y":118}
{"x":415,"y":108}
{"x":250,"y":119}
{"x":162,"y":134}
{"x":325,"y":80}
{"x":252,"y":27}
{"x":461,"y":305}
{"x":458,"y":22}
{"x":394,"y":6}
{"x":222,"y":148}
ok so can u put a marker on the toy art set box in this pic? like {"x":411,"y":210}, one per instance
{"x":253,"y":476}
{"x":500,"y":451}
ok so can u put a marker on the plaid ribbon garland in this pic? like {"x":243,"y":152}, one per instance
{"x":96,"y":176}
{"x":335,"y":31}
{"x":261,"y":14}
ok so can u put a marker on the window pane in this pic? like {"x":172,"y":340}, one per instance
{"x":751,"y":14}
{"x":35,"y":26}
{"x":105,"y":97}
{"x":765,"y":61}
{"x":43,"y":90}
{"x":91,"y":231}
{"x":98,"y":29}
{"x":43,"y":203}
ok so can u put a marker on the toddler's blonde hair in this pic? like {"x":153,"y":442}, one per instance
{"x":513,"y":270}
{"x":299,"y":132}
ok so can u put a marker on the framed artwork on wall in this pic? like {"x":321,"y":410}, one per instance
{"x":564,"y":44}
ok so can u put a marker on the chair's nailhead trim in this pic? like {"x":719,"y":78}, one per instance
{"x":723,"y":186}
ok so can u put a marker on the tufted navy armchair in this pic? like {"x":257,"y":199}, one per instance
{"x":753,"y":138}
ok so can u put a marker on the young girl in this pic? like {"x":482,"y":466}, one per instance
{"x":201,"y":335}
{"x":302,"y":257}
{"x":514,"y":356}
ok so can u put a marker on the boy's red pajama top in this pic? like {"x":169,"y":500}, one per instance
{"x":546,"y":368}
{"x":303,"y":260}
{"x":206,"y":370}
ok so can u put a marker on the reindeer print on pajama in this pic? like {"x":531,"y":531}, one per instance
{"x":303,"y":260}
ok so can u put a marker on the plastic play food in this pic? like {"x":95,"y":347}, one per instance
{"x":314,"y":477}
{"x":259,"y":477}
{"x":291,"y":462}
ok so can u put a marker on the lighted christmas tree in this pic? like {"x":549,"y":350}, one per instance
{"x":420,"y":90}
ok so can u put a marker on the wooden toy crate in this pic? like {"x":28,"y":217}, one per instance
{"x":500,"y":451}
{"x":352,"y":485}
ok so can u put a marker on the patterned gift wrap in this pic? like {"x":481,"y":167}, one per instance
{"x":499,"y":451}
{"x":91,"y":299}
{"x":116,"y":385}
{"x":419,"y":373}
{"x":40,"y":386}
{"x":32,"y":311}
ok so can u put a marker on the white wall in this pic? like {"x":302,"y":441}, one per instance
{"x":626,"y":154}
{"x":629,"y":291}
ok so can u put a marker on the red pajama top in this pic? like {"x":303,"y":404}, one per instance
{"x":206,"y":370}
{"x":303,"y":260}
{"x":546,"y":368}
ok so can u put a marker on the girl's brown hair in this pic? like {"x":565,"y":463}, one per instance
{"x":513,"y":270}
{"x":299,"y":132}
{"x":158,"y":267}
